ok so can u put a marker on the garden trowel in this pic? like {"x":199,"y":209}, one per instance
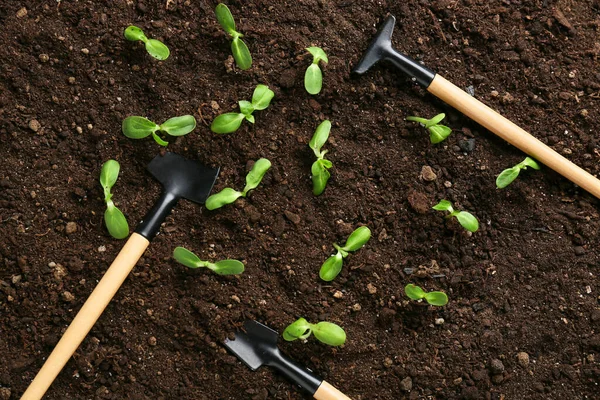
{"x":257,"y":346}
{"x":181,"y":178}
{"x":381,"y":49}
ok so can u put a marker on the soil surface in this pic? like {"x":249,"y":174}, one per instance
{"x":523,"y":321}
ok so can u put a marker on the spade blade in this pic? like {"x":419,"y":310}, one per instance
{"x":254,"y":347}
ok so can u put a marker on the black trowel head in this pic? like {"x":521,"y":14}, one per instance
{"x":182,"y":177}
{"x":379,"y":47}
{"x":256,"y":346}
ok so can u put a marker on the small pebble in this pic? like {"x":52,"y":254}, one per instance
{"x":152,"y":341}
{"x":388,"y":362}
{"x":5,"y":393}
{"x":71,"y":80}
{"x":356,"y":307}
{"x":427,"y":174}
{"x":496,"y":367}
{"x":101,"y":249}
{"x":79,"y":130}
{"x":448,"y":184}
{"x":68,"y":296}
{"x":439,"y":321}
{"x":16,"y":279}
{"x":22,"y":12}
{"x":71,"y":228}
{"x":44,"y":57}
{"x":338,"y":295}
{"x":85,"y":51}
{"x":579,"y":250}
{"x":235,"y":298}
{"x":59,"y":272}
{"x":406,"y":384}
{"x":371,"y":288}
{"x":523,"y":359}
{"x":34,"y":125}
{"x":214,"y":105}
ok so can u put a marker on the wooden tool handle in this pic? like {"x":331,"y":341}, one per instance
{"x":327,"y":392}
{"x":88,"y":315}
{"x":510,"y":132}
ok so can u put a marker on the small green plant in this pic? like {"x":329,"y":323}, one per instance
{"x":154,"y":47}
{"x":319,"y":169}
{"x":326,"y":332}
{"x":115,"y":221}
{"x":240,"y":51}
{"x":229,"y":195}
{"x":230,"y":122}
{"x":139,"y":127}
{"x":467,"y":220}
{"x":437,"y":133}
{"x":223,"y":267}
{"x":433,"y":298}
{"x":333,"y":265}
{"x":313,"y":77}
{"x":508,"y":175}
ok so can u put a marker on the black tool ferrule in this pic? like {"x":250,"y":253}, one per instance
{"x":302,"y":376}
{"x":420,"y":73}
{"x":150,"y":225}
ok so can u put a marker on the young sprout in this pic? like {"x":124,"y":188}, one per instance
{"x":229,"y":195}
{"x":224,"y":267}
{"x":467,"y":220}
{"x":240,"y":51}
{"x":508,"y":175}
{"x":230,"y":122}
{"x":154,"y":47}
{"x":313,"y":78}
{"x":433,"y":298}
{"x":326,"y":332}
{"x":437,"y":132}
{"x":320,"y":175}
{"x":333,"y":265}
{"x":113,"y":217}
{"x":139,"y":127}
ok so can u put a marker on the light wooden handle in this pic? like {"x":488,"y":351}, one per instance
{"x":328,"y":392}
{"x":87,"y":316}
{"x":510,"y":132}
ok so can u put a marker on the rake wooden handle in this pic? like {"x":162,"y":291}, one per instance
{"x":513,"y":134}
{"x":88,"y":315}
{"x":327,"y":392}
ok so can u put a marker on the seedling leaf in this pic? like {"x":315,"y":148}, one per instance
{"x":329,"y":333}
{"x":443,"y":205}
{"x":331,"y":267}
{"x":179,"y":126}
{"x":357,"y":239}
{"x":297,"y":330}
{"x":507,"y":176}
{"x":250,"y":118}
{"x":529,"y":162}
{"x":246,"y":108}
{"x":108,"y":176}
{"x":438,"y":133}
{"x":320,"y":175}
{"x":133,"y":34}
{"x":159,"y":140}
{"x":258,"y":171}
{"x":468,"y":221}
{"x":116,"y":223}
{"x":241,"y":54}
{"x":225,"y":196}
{"x":187,"y":258}
{"x":414,"y":292}
{"x":225,"y":18}
{"x":435,"y":120}
{"x":262,"y":96}
{"x":436,"y":298}
{"x":138,"y":127}
{"x":313,"y":79}
{"x":318,"y":54}
{"x":157,"y":49}
{"x":227,"y":123}
{"x":320,"y":137}
{"x":227,"y":267}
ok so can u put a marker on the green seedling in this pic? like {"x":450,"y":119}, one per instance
{"x":319,"y":169}
{"x":240,"y":51}
{"x":333,"y":265}
{"x":155,"y":48}
{"x":508,"y":175}
{"x":224,"y":267}
{"x":326,"y":332}
{"x":139,"y":127}
{"x":229,"y":195}
{"x":433,"y":298}
{"x":230,"y":122}
{"x":467,"y":220}
{"x":437,"y":133}
{"x":115,"y":221}
{"x":313,"y":78}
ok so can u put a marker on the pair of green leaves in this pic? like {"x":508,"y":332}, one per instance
{"x":313,"y":77}
{"x":508,"y":175}
{"x":333,"y":265}
{"x":319,"y":169}
{"x":240,"y":51}
{"x":154,"y":47}
{"x":229,"y":195}
{"x":326,"y":332}
{"x":115,"y":221}
{"x":437,"y":132}
{"x":223,"y":267}
{"x":466,"y":219}
{"x":434,"y":298}
{"x":230,"y":122}
{"x":139,"y":127}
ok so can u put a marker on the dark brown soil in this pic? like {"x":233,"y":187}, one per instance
{"x":526,"y":282}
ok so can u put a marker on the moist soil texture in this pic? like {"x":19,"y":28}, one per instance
{"x":523,"y":320}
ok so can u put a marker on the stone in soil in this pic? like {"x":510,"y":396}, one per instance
{"x":427,"y":174}
{"x":523,"y":359}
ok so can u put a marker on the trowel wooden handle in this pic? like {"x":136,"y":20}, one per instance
{"x":87,"y":316}
{"x":327,"y":392}
{"x":510,"y":132}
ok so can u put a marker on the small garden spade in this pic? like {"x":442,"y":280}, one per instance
{"x":257,"y":346}
{"x":381,"y":49}
{"x":181,"y":178}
